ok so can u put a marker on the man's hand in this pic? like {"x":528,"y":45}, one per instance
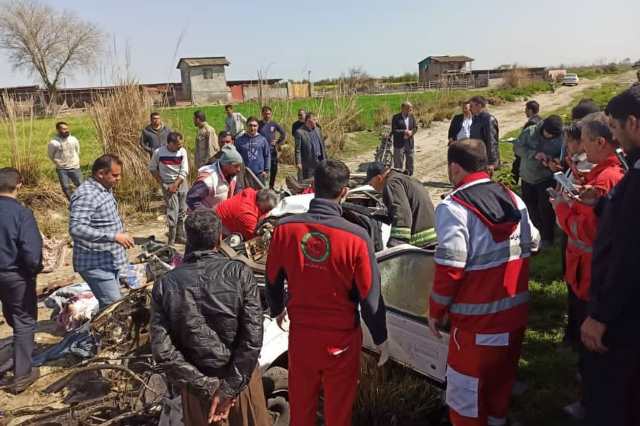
{"x":124,"y":240}
{"x":589,"y":195}
{"x":540,"y":156}
{"x":283,"y":321}
{"x":591,"y":334}
{"x":220,"y":407}
{"x":383,"y":348}
{"x":554,"y":166}
{"x":172,"y":188}
{"x":433,"y":326}
{"x":299,"y":167}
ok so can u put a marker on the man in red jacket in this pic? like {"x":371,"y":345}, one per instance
{"x":580,"y":223}
{"x":240,"y":214}
{"x":485,"y":237}
{"x":330,"y":268}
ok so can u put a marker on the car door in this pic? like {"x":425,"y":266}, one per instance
{"x":407,"y":279}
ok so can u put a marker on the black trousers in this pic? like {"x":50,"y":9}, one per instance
{"x":612,"y":386}
{"x":19,"y":307}
{"x":537,"y":200}
{"x":515,"y":170}
{"x":274,"y":167}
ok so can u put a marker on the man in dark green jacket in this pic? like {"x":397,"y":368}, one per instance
{"x":536,"y":146}
{"x":408,"y":204}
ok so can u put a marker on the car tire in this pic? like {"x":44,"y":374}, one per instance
{"x":275,"y":382}
{"x":280,"y":411}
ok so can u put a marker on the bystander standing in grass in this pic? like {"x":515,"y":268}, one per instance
{"x":299,"y":122}
{"x":403,"y":127}
{"x":255,"y":151}
{"x":269,"y":128}
{"x":234,"y":122}
{"x":99,"y":240}
{"x":460,"y":126}
{"x":154,"y":135}
{"x":64,"y":151}
{"x":310,"y":149}
{"x":20,"y":262}
{"x":610,"y":332}
{"x":531,"y":110}
{"x":485,"y":128}
{"x":170,"y":167}
{"x":206,"y":140}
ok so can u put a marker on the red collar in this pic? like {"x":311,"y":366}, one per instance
{"x":611,"y":161}
{"x":472,"y":177}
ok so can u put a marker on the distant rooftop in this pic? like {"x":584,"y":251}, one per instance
{"x":204,"y":61}
{"x":446,"y":58}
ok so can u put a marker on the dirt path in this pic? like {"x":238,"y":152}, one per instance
{"x":431,"y":147}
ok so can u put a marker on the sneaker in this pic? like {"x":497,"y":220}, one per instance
{"x":575,"y":410}
{"x":21,"y":383}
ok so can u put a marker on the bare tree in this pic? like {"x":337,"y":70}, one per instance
{"x":46,"y":42}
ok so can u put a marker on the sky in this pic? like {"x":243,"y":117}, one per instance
{"x":289,"y":39}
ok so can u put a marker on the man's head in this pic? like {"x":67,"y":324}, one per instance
{"x":583,"y":108}
{"x":107,"y":170}
{"x":228,"y":109}
{"x":266,"y":200}
{"x":225,"y":138}
{"x":465,"y":157}
{"x":624,"y":118}
{"x":596,"y":137}
{"x":552,"y":127}
{"x":572,"y":136}
{"x":310,"y":120}
{"x":466,"y":108}
{"x":203,"y":231}
{"x":406,"y":108}
{"x":174,"y":141}
{"x":230,"y":161}
{"x":478,"y":104}
{"x":267,"y":113}
{"x":252,"y":126}
{"x":10,"y":181}
{"x":199,"y":118}
{"x":531,"y":108}
{"x":330,"y":180}
{"x":301,"y":115}
{"x":376,"y":174}
{"x":63,"y":129}
{"x":154,"y":120}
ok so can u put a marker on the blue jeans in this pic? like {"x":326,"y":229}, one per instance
{"x":66,"y":176}
{"x":104,"y":285}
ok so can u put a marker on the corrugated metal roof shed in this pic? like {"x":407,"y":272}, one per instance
{"x":204,"y":61}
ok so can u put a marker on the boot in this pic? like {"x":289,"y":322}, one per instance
{"x":181,"y":234}
{"x":171,"y":236}
{"x":23,"y":382}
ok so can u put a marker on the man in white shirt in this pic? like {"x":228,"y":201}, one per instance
{"x":64,"y":152}
{"x":460,"y":127}
{"x":234,"y":123}
{"x":170,"y":166}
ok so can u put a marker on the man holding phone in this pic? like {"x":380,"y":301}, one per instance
{"x":537,"y":146}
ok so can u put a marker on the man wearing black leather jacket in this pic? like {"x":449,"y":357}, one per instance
{"x":206,"y":331}
{"x":485,"y":127}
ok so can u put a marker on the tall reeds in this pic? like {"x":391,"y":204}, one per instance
{"x":118,"y":118}
{"x":17,"y":120}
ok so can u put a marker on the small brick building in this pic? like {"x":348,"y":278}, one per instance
{"x":203,"y":79}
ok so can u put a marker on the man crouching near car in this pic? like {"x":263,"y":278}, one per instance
{"x":206,"y":331}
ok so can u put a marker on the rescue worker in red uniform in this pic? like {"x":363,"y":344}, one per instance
{"x":330,"y":268}
{"x":240,"y":214}
{"x":580,"y":223}
{"x":485,"y":237}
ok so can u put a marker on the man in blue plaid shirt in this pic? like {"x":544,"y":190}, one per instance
{"x":99,"y":240}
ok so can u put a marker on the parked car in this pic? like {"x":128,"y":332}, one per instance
{"x":570,"y":80}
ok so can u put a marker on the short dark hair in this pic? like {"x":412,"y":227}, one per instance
{"x":203,"y":230}
{"x":61,"y":123}
{"x":105,"y":162}
{"x":480,"y":100}
{"x":597,"y":126}
{"x":584,"y":108}
{"x":228,"y":106}
{"x":309,"y":115}
{"x":266,"y":108}
{"x":470,"y":154}
{"x":329,"y":178}
{"x":154,"y":114}
{"x":533,"y":106}
{"x":10,"y":178}
{"x":200,"y":116}
{"x":625,"y":104}
{"x":252,"y":118}
{"x":573,"y":132}
{"x":174,"y":137}
{"x":224,"y":134}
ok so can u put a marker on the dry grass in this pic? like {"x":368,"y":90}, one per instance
{"x":20,"y":137}
{"x":517,"y":78}
{"x":118,"y":118}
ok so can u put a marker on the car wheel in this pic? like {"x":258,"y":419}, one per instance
{"x":280,"y":411}
{"x":275,"y":382}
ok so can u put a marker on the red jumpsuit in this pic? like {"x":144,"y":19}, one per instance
{"x":329,"y":267}
{"x":485,"y":237}
{"x":240,"y":213}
